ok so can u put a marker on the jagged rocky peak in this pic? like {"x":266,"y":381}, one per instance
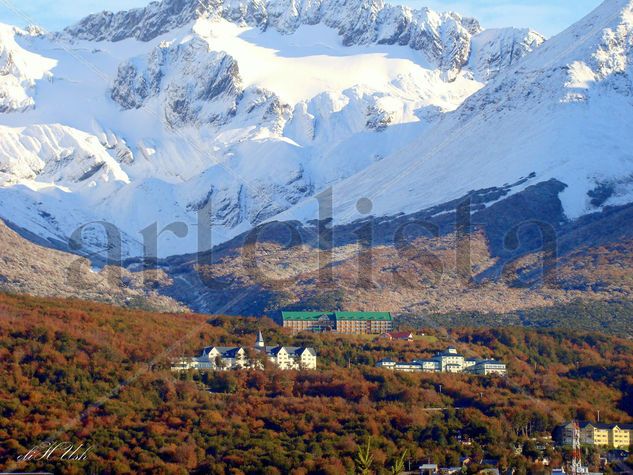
{"x":591,"y":59}
{"x":195,"y":84}
{"x":143,"y":24}
{"x":444,"y":38}
{"x":495,"y":50}
{"x":613,"y":56}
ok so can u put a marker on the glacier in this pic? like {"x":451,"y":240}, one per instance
{"x":242,"y":109}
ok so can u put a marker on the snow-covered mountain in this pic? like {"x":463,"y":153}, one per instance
{"x":19,"y":71}
{"x":564,"y":112}
{"x":445,"y":39}
{"x":236,"y":109}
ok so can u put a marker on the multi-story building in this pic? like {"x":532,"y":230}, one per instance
{"x":622,"y":436}
{"x":309,"y":321}
{"x":355,"y":323}
{"x":448,"y":361}
{"x":363,"y":322}
{"x":619,"y":436}
{"x":486,"y":367}
{"x":221,"y":358}
{"x":214,"y":358}
{"x":429,"y":366}
{"x":386,"y":363}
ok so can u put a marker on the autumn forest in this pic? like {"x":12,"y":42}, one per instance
{"x":99,"y":375}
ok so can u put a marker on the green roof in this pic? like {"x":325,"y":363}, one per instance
{"x":364,"y":316}
{"x":355,"y":316}
{"x":305,"y":316}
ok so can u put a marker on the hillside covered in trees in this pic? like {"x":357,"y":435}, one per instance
{"x":99,"y":375}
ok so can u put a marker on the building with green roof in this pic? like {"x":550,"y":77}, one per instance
{"x":340,"y":322}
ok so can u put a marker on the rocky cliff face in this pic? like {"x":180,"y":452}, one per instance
{"x":445,"y":39}
{"x":494,"y":51}
{"x":239,"y":112}
{"x":195,"y":85}
{"x":236,"y":109}
{"x":563,"y":112}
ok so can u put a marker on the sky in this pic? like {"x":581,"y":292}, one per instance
{"x":546,"y":16}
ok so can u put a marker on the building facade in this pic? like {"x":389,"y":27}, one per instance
{"x":221,"y":358}
{"x":487,"y":367}
{"x":448,"y":361}
{"x":619,"y":436}
{"x":351,"y":323}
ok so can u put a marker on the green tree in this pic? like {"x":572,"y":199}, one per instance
{"x":364,"y":459}
{"x":398,"y":466}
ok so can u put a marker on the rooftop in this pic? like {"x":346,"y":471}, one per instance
{"x":344,"y":316}
{"x":399,"y":335}
{"x":449,"y":352}
{"x":364,"y":316}
{"x":489,"y":362}
{"x":306,"y":316}
{"x":605,"y":425}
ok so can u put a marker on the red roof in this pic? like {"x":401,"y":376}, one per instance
{"x":400,"y":335}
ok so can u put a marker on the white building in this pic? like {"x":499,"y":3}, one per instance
{"x":486,"y":367}
{"x":287,"y":357}
{"x":221,"y":358}
{"x":408,"y":367}
{"x":387,"y":363}
{"x":214,"y":358}
{"x":448,"y":361}
{"x":429,"y":366}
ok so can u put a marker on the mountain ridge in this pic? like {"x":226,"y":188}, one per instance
{"x":237,"y":127}
{"x":549,"y":117}
{"x":444,"y":37}
{"x":248,"y":120}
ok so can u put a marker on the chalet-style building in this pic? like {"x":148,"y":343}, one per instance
{"x":221,"y":358}
{"x":288,"y":357}
{"x":448,"y":361}
{"x":354,"y":323}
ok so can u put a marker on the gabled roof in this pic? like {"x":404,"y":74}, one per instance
{"x":274,"y":350}
{"x":400,"y":335}
{"x":226,"y":351}
{"x":231,"y":352}
{"x":299,"y":350}
{"x":219,"y":349}
{"x":291,"y":350}
{"x":602,"y":425}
